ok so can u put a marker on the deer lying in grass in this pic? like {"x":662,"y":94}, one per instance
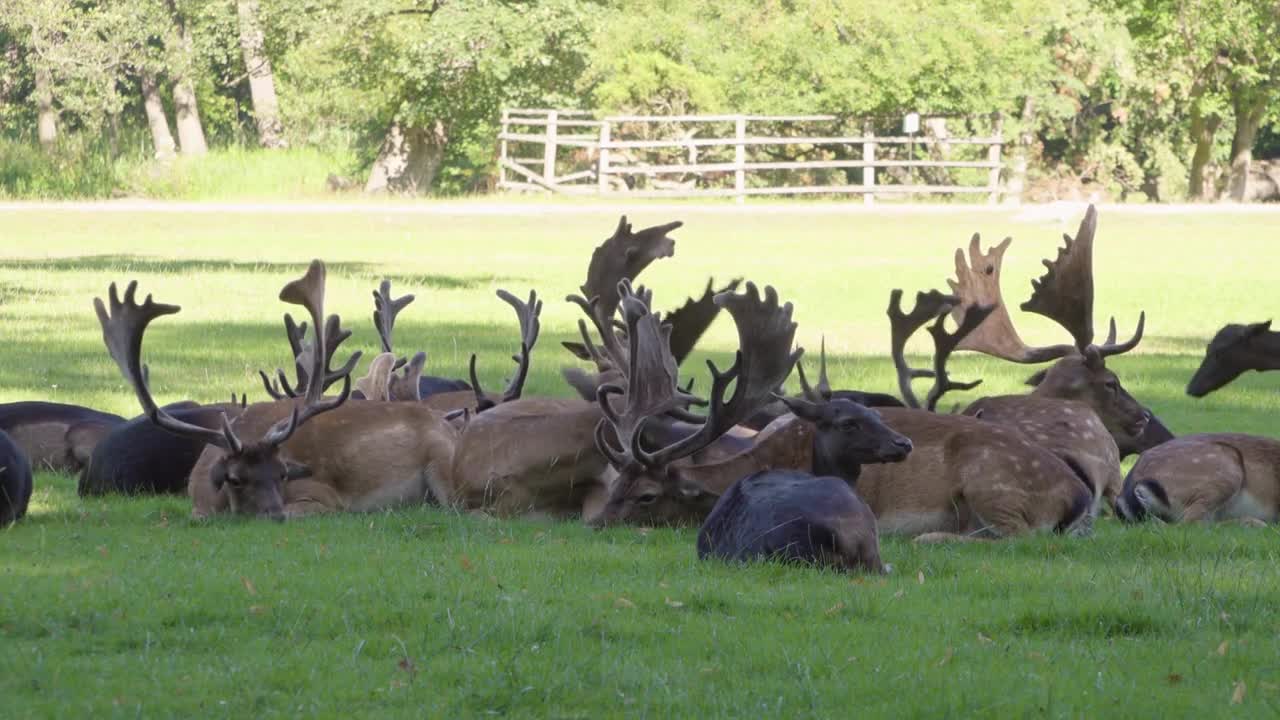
{"x":141,"y":458}
{"x":1234,"y":350}
{"x":965,"y":478}
{"x":306,"y":455}
{"x":537,"y":456}
{"x":15,"y":481}
{"x":1064,"y":295}
{"x":55,"y":436}
{"x":1206,"y":478}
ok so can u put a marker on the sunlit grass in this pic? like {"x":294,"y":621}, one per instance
{"x":125,"y":607}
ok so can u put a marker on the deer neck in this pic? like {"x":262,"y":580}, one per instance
{"x":823,"y":466}
{"x":1268,"y":351}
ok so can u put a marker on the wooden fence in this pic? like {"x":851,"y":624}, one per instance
{"x":572,"y":152}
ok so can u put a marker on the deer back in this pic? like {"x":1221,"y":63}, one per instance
{"x":1210,"y":476}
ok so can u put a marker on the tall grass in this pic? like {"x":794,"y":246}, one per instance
{"x":76,"y":168}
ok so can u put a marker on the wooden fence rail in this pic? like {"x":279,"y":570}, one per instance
{"x":623,"y":157}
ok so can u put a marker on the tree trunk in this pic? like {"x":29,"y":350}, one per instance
{"x":46,"y":114}
{"x":262,"y":84}
{"x":1021,"y":154}
{"x":156,"y":119}
{"x":1202,"y":131}
{"x":409,"y":160}
{"x":1249,"y":110}
{"x":186,"y":111}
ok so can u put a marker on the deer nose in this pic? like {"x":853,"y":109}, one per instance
{"x":903,"y":444}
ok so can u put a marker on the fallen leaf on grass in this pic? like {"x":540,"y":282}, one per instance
{"x":465,"y":562}
{"x":899,"y":595}
{"x":102,"y":550}
{"x":1222,"y":649}
{"x":984,"y":639}
{"x":1237,"y":695}
{"x":248,"y":586}
{"x":406,"y":664}
{"x":946,"y":657}
{"x":673,"y":603}
{"x":920,"y":577}
{"x":257,"y":609}
{"x":835,"y":608}
{"x":622,"y":602}
{"x":1175,"y":678}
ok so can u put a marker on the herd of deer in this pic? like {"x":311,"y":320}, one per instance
{"x":814,"y":476}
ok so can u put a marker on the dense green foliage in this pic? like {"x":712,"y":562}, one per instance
{"x":124,"y":607}
{"x":1151,"y":98}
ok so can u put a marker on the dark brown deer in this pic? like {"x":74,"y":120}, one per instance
{"x":965,"y":478}
{"x":310,"y":454}
{"x":1234,"y":350}
{"x":55,"y":436}
{"x":1064,"y":295}
{"x":1212,"y":477}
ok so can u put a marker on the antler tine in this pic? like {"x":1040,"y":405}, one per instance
{"x":766,"y":334}
{"x":623,"y":257}
{"x":272,"y":387}
{"x":691,"y":320}
{"x":822,"y":392}
{"x":385,"y":310}
{"x":977,"y":282}
{"x":482,"y":400}
{"x":123,"y":326}
{"x":614,"y":353}
{"x":1110,"y":347}
{"x":902,"y":326}
{"x":1065,"y":293}
{"x":335,"y":335}
{"x":944,"y":344}
{"x":308,"y":291}
{"x":528,"y":314}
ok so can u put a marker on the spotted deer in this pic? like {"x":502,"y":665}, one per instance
{"x":964,"y":478}
{"x":1212,"y":477}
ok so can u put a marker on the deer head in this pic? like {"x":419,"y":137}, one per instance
{"x":646,"y":484}
{"x":254,"y":473}
{"x":848,"y":436}
{"x":1065,"y":295}
{"x":1232,"y":351}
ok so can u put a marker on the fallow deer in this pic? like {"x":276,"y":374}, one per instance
{"x":1234,"y":350}
{"x":1064,"y":295}
{"x":1209,"y":477}
{"x":15,"y":481}
{"x":965,"y":478}
{"x":309,"y":454}
{"x":141,"y":458}
{"x":55,"y":436}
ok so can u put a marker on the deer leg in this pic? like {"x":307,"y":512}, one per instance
{"x":308,"y":497}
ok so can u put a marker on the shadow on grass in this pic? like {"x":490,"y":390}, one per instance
{"x":145,"y":264}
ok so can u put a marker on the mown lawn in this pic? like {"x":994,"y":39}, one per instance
{"x":128,"y":608}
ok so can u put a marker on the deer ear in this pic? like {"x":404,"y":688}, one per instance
{"x":803,"y":409}
{"x":1036,"y":379}
{"x":296,"y":471}
{"x":1258,"y":328}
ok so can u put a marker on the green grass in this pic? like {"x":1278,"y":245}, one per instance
{"x":126,"y":607}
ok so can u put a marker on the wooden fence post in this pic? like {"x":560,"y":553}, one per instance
{"x":993,"y":156}
{"x":740,"y":159}
{"x":868,"y":170}
{"x":602,"y":168}
{"x":502,"y":150}
{"x":549,"y":150}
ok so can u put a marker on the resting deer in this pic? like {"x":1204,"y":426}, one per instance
{"x":15,"y":481}
{"x":305,"y":455}
{"x":1206,"y":478}
{"x":1232,"y":351}
{"x":537,"y":456}
{"x":55,"y":436}
{"x":965,"y":478}
{"x":1078,"y":409}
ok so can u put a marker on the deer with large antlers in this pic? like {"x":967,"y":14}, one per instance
{"x":297,"y":456}
{"x":1065,"y":295}
{"x":965,"y":478}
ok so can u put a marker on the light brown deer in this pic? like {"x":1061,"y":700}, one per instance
{"x":965,"y":478}
{"x":1064,"y":295}
{"x":308,"y":454}
{"x":1211,"y":477}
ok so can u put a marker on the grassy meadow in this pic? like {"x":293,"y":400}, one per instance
{"x":127,"y":608}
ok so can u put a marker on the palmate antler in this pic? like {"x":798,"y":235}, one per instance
{"x":931,"y":306}
{"x":766,"y":333}
{"x":1064,"y":294}
{"x":279,"y":389}
{"x":689,"y":321}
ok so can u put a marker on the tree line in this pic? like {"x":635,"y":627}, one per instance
{"x":1166,"y":98}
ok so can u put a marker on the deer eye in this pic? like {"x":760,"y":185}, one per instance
{"x":847,"y":425}
{"x":647,"y":499}
{"x":234,"y":480}
{"x":1113,"y":386}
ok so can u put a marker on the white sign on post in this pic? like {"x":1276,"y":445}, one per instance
{"x":911,"y":123}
